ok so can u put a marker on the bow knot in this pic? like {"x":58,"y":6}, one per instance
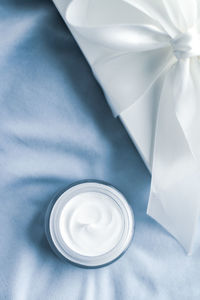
{"x":186,"y":45}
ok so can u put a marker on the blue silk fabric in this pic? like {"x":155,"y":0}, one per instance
{"x":56,"y":128}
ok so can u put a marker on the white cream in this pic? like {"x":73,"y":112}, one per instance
{"x":91,"y":224}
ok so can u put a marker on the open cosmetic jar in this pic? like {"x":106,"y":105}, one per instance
{"x":90,"y":224}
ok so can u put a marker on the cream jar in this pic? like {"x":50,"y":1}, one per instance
{"x":90,"y":224}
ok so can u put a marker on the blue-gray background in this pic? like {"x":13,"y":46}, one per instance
{"x":56,"y":128}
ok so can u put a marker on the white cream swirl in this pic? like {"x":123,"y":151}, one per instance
{"x":91,"y":223}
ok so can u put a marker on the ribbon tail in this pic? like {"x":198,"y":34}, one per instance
{"x":175,"y":190}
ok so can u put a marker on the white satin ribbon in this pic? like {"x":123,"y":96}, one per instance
{"x":127,"y":58}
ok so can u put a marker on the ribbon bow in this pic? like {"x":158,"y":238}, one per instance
{"x":133,"y":45}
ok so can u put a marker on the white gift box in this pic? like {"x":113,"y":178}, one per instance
{"x":145,"y":55}
{"x":139,"y":121}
